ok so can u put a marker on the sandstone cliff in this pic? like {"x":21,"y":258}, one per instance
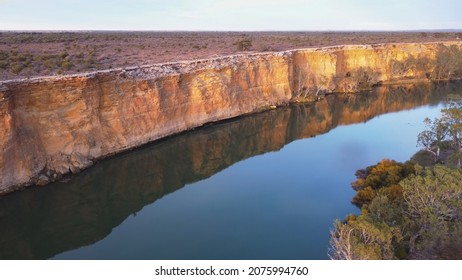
{"x":87,"y":208}
{"x":57,"y":125}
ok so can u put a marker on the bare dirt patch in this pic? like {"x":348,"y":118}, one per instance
{"x":30,"y":54}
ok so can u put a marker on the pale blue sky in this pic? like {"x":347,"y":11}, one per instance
{"x":230,"y":14}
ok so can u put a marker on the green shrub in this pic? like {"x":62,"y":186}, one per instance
{"x":66,"y":65}
{"x":63,"y":55}
{"x":364,"y":196}
{"x":243,"y":45}
{"x":16,"y":68}
{"x":90,"y":63}
{"x":23,"y":57}
{"x":3,"y":65}
{"x":448,"y":63}
{"x":3,"y":55}
{"x":425,"y":224}
{"x":49,"y":63}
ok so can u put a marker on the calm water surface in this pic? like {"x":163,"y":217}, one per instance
{"x":266,"y":186}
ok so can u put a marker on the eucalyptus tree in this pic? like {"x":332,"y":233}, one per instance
{"x":432,"y":138}
{"x":451,"y":118}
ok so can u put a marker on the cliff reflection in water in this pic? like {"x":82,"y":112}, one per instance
{"x":39,"y":223}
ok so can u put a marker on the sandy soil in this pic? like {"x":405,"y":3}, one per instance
{"x":28,"y":54}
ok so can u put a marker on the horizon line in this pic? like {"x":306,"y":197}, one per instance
{"x":251,"y":31}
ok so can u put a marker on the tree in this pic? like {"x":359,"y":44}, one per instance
{"x":410,"y":67}
{"x":431,"y":139}
{"x":452,"y":119}
{"x":340,"y":242}
{"x":362,"y":78}
{"x":363,"y":239}
{"x":312,"y":88}
{"x":408,"y":211}
{"x":433,"y":209}
{"x":424,"y":223}
{"x":384,"y":175}
{"x":243,"y":44}
{"x":448,"y":62}
{"x":442,"y":131}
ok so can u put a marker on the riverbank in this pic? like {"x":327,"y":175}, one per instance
{"x":283,"y":157}
{"x":52,"y":126}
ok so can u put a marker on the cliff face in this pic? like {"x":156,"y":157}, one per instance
{"x":87,"y":208}
{"x":53,"y":126}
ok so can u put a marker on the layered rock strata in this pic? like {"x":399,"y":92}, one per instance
{"x":52,"y":126}
{"x":91,"y":204}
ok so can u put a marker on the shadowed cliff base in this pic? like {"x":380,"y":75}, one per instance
{"x":87,"y":208}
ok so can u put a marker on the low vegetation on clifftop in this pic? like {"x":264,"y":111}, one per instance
{"x":29,"y":54}
{"x":94,"y":115}
{"x":444,"y":64}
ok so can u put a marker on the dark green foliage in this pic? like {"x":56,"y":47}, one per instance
{"x":421,"y":218}
{"x":409,"y":211}
{"x":443,"y":136}
{"x":363,"y":238}
{"x":423,"y":158}
{"x":434,"y":213}
{"x":364,"y":196}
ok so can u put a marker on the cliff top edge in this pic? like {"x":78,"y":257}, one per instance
{"x":152,"y":71}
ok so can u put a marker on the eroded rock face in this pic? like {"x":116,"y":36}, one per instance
{"x":88,"y":207}
{"x":54,"y":126}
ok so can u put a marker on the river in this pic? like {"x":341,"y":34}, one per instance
{"x":263,"y":186}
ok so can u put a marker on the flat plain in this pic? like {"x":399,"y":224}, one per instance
{"x":31,"y":54}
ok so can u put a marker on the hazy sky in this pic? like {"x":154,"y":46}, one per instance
{"x":230,"y":14}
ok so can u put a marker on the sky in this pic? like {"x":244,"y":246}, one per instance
{"x":230,"y":15}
